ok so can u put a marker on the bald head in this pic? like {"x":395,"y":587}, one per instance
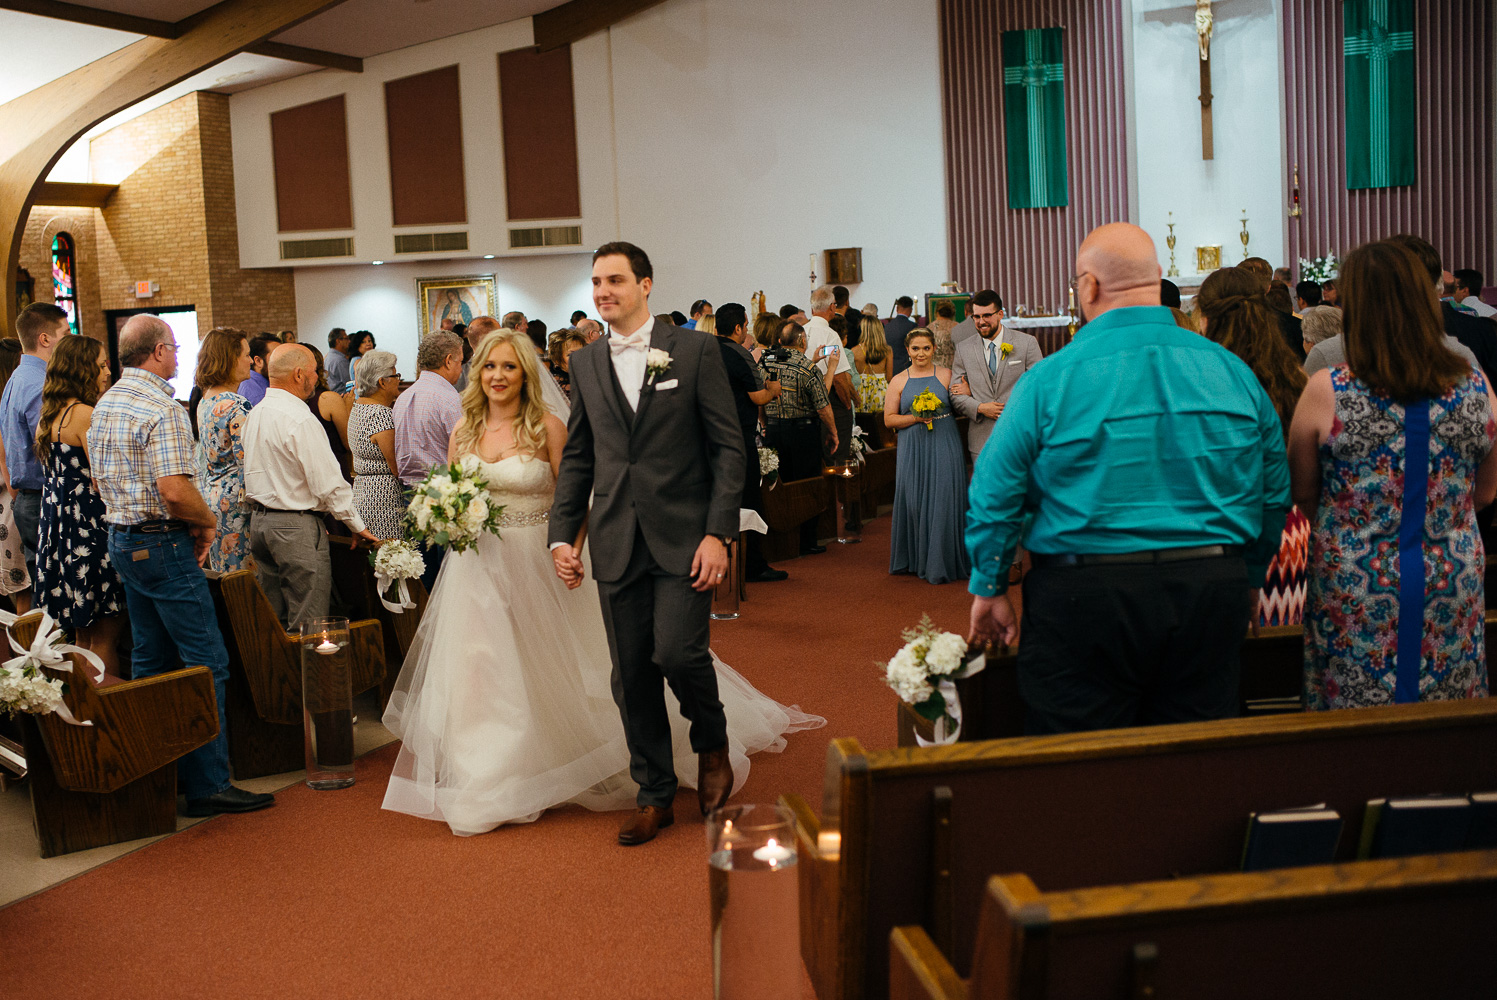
{"x":480,"y":328}
{"x":1119,"y":267}
{"x":293,"y":368}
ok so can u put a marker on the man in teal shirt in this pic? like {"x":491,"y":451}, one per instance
{"x":1149,"y":467}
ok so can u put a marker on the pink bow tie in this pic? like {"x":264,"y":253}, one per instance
{"x":634,"y":342}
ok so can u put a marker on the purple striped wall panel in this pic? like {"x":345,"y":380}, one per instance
{"x":1451,"y":204}
{"x":1027,"y":255}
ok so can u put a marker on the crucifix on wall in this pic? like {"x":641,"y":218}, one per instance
{"x":1203,"y":39}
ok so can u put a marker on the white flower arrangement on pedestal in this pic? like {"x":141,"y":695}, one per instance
{"x":450,"y":507}
{"x":769,"y":465}
{"x":396,"y":562}
{"x":922,"y":672}
{"x":1321,"y":269}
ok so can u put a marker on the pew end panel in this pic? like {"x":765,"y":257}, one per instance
{"x":353,"y":575}
{"x":786,"y":505}
{"x":992,"y":707}
{"x":918,"y":970}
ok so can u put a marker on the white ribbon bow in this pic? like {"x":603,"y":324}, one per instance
{"x":47,"y":650}
{"x":943,"y":737}
{"x":382,"y":583}
{"x":633,"y":342}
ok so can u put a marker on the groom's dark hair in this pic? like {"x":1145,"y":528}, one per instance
{"x":639,"y":261}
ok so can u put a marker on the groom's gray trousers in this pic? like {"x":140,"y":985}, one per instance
{"x":658,"y":628}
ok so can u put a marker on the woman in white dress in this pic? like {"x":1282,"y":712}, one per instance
{"x":504,"y":706}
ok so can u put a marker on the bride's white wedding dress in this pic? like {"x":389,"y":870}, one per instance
{"x":504,"y":707}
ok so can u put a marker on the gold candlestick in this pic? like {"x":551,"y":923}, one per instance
{"x":1169,"y":241}
{"x":1244,"y":235}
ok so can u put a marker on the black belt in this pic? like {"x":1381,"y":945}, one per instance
{"x":1133,"y":558}
{"x":155,"y":527}
{"x":260,"y":508}
{"x":789,"y":421}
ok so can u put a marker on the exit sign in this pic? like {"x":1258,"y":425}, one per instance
{"x":145,"y":289}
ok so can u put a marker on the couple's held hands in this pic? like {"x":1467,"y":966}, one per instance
{"x":568,"y":566}
{"x":709,"y":565}
{"x":993,"y":622}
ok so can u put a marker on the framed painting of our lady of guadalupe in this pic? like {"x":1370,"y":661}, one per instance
{"x":453,"y":301}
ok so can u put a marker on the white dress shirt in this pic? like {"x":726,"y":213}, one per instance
{"x":288,"y":463}
{"x":630,"y":366}
{"x":820,"y":334}
{"x":1482,"y":309}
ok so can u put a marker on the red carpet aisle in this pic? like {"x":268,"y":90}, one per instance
{"x":325,"y":896}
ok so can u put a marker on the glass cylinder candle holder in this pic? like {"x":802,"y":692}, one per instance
{"x":755,"y":892}
{"x":729,"y":590}
{"x":327,"y":702}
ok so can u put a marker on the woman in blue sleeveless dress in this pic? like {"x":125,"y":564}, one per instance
{"x":930,"y":483}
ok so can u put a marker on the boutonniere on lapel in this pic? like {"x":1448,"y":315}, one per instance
{"x":657,"y":363}
{"x":1005,"y":349}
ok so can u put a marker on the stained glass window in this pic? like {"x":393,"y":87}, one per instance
{"x":65,"y":278}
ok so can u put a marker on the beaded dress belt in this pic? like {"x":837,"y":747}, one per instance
{"x":1133,"y":558}
{"x":524,"y":520}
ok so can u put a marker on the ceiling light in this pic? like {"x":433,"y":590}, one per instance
{"x":376,"y":263}
{"x":488,"y":256}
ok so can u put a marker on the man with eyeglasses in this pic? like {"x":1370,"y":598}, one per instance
{"x":1150,"y":467}
{"x":159,"y":534}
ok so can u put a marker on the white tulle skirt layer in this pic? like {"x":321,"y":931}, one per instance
{"x":504,"y":707}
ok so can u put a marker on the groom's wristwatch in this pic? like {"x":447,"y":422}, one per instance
{"x":725,"y":539}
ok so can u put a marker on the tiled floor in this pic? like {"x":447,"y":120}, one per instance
{"x":23,"y":871}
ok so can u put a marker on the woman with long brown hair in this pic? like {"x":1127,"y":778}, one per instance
{"x":75,"y":582}
{"x":1235,"y":314}
{"x":1390,"y":456}
{"x":15,"y":581}
{"x":223,"y":362}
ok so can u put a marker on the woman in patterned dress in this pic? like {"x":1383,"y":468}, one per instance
{"x":1390,"y":456}
{"x":1235,"y":314}
{"x":224,"y":362}
{"x":15,"y":582}
{"x":377,"y":494}
{"x":75,"y":582}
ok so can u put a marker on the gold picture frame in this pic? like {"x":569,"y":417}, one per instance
{"x":461,"y":297}
{"x":1208,"y":258}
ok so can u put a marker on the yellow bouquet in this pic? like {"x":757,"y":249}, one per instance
{"x":927,"y":406}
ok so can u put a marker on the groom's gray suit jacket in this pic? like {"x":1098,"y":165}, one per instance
{"x":971,"y":361}
{"x":674,"y":468}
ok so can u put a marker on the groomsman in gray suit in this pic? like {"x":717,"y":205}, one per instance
{"x":988,"y":367}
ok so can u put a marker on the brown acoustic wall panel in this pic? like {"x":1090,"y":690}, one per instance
{"x":424,"y":125}
{"x":309,"y":150}
{"x":540,"y":134}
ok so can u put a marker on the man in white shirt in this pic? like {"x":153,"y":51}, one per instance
{"x":290,"y":478}
{"x":1468,"y":285}
{"x":824,"y":349}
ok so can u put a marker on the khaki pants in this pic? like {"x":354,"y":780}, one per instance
{"x":292,"y":564}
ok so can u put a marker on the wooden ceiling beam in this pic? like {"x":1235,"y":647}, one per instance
{"x":68,"y":194}
{"x":152,"y":28}
{"x":38,"y":126}
{"x":576,"y":19}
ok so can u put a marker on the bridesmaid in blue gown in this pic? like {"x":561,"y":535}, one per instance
{"x":930,"y":484}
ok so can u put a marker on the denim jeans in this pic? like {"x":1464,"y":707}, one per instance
{"x":172,"y":617}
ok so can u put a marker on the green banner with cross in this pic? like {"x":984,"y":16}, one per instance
{"x":1034,"y":117}
{"x":1381,"y":129}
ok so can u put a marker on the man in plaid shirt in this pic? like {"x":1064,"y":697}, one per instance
{"x":159,"y":534}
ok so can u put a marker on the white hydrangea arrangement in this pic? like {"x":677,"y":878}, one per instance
{"x":859,"y":445}
{"x":27,"y":689}
{"x":450,"y":507}
{"x":1321,"y":269}
{"x":769,"y":464}
{"x":922,"y":671}
{"x":396,"y":562}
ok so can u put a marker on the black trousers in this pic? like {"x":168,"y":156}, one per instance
{"x":1132,"y":645}
{"x":658,"y":630}
{"x":799,"y":444}
{"x":842,"y":416}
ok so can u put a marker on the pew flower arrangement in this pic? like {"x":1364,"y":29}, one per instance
{"x":922,"y":672}
{"x":927,"y":406}
{"x":450,"y":507}
{"x":23,"y":685}
{"x":858,"y":448}
{"x":769,"y":465}
{"x":1321,"y":269}
{"x":396,"y":562}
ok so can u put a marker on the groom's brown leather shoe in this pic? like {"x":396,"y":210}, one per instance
{"x":714,"y":779}
{"x":644,"y":824}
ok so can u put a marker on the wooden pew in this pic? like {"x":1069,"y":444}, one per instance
{"x":878,"y":480}
{"x":786,"y":505}
{"x":1088,"y":809}
{"x":264,"y":705}
{"x":1272,"y":681}
{"x":117,"y":779}
{"x":1404,"y":927}
{"x":353,"y":575}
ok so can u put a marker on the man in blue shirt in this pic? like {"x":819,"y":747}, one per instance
{"x":1150,"y":467}
{"x":336,"y":360}
{"x":40,"y":327}
{"x":253,"y":388}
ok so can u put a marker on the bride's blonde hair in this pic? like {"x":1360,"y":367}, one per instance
{"x":530,"y":422}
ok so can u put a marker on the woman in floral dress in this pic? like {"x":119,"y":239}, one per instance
{"x":1390,"y":455}
{"x":224,"y":362}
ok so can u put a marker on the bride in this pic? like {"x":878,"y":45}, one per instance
{"x":503,"y":706}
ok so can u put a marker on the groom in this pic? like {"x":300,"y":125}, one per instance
{"x":655,"y":440}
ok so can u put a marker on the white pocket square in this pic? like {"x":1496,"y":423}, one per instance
{"x":1017,"y":361}
{"x":667,"y":384}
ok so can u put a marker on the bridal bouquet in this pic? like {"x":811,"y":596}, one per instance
{"x":927,"y":406}
{"x":1321,"y":269}
{"x":769,"y":465}
{"x":923,"y":670}
{"x":395,"y":563}
{"x":451,"y":507}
